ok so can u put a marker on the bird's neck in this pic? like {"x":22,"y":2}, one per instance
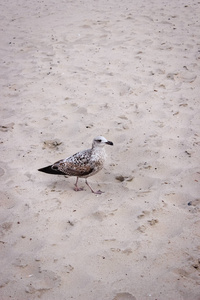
{"x":99,"y":152}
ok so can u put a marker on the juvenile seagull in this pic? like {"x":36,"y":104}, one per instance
{"x":82,"y":164}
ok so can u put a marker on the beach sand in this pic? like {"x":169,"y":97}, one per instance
{"x":127,"y":70}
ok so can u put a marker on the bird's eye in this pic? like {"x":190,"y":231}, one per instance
{"x":99,"y":141}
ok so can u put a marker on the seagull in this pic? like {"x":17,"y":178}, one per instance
{"x":82,"y":164}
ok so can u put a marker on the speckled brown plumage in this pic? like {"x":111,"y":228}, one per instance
{"x":82,"y":164}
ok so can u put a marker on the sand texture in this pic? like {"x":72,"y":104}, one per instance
{"x":130,"y":71}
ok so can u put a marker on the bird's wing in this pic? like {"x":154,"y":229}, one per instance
{"x":77,"y":165}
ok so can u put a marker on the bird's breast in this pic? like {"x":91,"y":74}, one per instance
{"x":98,"y":156}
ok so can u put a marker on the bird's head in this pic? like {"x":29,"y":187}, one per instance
{"x":101,"y":141}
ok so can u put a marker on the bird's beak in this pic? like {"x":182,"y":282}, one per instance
{"x":109,"y":143}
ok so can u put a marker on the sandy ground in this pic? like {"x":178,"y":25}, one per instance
{"x":130,"y":71}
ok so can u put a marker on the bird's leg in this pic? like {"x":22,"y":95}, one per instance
{"x":97,"y":192}
{"x":76,"y":186}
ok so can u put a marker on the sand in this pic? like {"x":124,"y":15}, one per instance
{"x":127,"y":70}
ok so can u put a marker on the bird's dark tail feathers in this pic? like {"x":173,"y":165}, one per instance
{"x":50,"y":170}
